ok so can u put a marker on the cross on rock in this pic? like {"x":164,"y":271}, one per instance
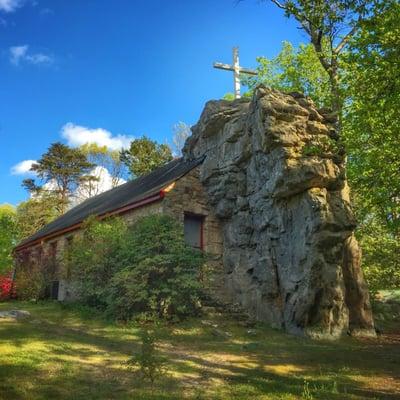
{"x":237,"y":70}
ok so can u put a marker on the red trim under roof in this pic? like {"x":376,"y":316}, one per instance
{"x":118,"y":211}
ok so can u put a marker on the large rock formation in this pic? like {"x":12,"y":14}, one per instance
{"x":275,"y":175}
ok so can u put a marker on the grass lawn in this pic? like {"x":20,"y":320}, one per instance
{"x":63,"y":352}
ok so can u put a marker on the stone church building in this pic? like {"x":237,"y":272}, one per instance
{"x":262,"y":187}
{"x":172,"y":189}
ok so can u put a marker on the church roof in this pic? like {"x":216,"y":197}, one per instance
{"x":130,"y":195}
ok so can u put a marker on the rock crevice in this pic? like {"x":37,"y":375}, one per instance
{"x":275,"y":175}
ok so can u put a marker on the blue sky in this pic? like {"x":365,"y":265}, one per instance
{"x":71,"y":69}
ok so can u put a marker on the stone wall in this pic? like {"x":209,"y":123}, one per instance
{"x":188,"y":195}
{"x":274,"y":171}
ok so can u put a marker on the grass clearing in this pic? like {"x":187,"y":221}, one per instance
{"x":64,"y":352}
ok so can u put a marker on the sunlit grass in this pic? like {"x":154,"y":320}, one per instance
{"x":65,"y":352}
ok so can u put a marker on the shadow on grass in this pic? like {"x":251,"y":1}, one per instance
{"x":77,"y":358}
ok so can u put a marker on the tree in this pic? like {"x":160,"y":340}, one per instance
{"x":371,"y":134}
{"x":8,"y":236}
{"x":60,"y":169}
{"x":181,"y":132}
{"x":92,"y":259}
{"x":372,"y":117}
{"x":145,"y":155}
{"x":108,"y":159}
{"x":329,"y":25}
{"x":35,"y":213}
{"x":293,"y":70}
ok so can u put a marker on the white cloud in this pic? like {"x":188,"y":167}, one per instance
{"x":77,"y":135}
{"x":22,"y":167}
{"x":19,"y":54}
{"x":10,"y":5}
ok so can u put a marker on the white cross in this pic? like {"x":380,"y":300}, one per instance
{"x":237,"y":70}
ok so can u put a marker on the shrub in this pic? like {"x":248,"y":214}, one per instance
{"x":92,"y":259}
{"x":6,"y":287}
{"x":147,"y":268}
{"x":161,"y":273}
{"x":30,"y":282}
{"x":151,"y":364}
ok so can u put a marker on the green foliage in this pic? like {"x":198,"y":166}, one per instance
{"x":151,"y":364}
{"x":103,"y":157}
{"x":161,"y":271}
{"x":381,"y":254}
{"x":145,"y":155}
{"x":306,"y":394}
{"x":63,"y":168}
{"x":35,"y":213}
{"x":322,"y":145}
{"x":229,"y":96}
{"x":294,"y":70}
{"x":8,"y":236}
{"x":148,"y":268}
{"x":92,"y":259}
{"x":30,"y":283}
{"x":311,"y":150}
{"x":373,"y":120}
{"x":329,"y":25}
{"x":371,"y":134}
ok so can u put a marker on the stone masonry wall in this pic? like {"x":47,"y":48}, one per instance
{"x":275,"y":176}
{"x":188,"y":195}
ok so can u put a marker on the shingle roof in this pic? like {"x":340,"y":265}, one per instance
{"x":123,"y":195}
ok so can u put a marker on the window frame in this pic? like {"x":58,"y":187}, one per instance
{"x":200,"y":218}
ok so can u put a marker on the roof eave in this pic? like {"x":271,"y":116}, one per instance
{"x":118,"y":211}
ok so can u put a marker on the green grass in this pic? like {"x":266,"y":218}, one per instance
{"x":63,"y":352}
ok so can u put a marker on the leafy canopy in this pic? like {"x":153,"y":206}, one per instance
{"x":35,"y":213}
{"x":62,"y":168}
{"x":145,"y":155}
{"x":329,"y":25}
{"x":293,"y":70}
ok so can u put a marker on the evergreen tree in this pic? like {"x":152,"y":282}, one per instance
{"x":60,"y":170}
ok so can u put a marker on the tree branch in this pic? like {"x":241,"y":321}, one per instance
{"x":345,"y":40}
{"x":276,"y":2}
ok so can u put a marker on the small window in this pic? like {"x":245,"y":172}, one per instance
{"x":55,"y":286}
{"x":193,"y":229}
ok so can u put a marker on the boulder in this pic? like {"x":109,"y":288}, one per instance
{"x":274,"y":171}
{"x":15,"y":314}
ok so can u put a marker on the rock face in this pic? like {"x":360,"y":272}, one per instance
{"x":275,"y":176}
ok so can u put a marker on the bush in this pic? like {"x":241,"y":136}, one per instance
{"x":92,"y":259}
{"x":151,"y":364}
{"x":161,"y":273}
{"x":6,"y":287}
{"x":30,"y":282}
{"x":147,"y":268}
